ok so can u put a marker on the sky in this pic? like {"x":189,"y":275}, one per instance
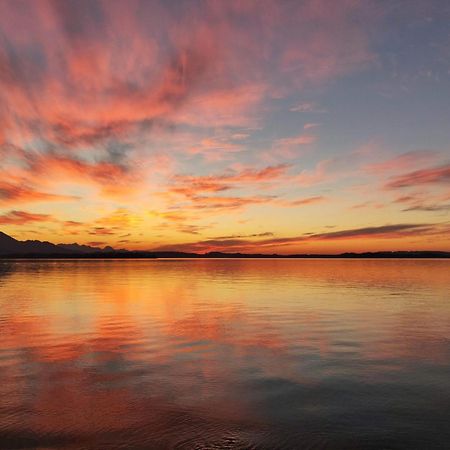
{"x":304,"y":126}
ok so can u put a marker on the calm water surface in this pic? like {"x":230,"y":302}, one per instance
{"x":225,"y":354}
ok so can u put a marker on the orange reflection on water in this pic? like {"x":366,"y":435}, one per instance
{"x":112,"y":348}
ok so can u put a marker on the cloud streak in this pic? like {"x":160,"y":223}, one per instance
{"x":14,"y":194}
{"x":434,"y":175}
{"x":236,"y":243}
{"x":22,"y":217}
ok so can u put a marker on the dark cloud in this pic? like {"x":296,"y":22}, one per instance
{"x":386,"y":230}
{"x":101,"y":231}
{"x":235,"y":236}
{"x":262,"y":245}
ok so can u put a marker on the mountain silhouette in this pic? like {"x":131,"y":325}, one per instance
{"x":12,"y":247}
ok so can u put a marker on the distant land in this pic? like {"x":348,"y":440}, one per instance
{"x":12,"y":248}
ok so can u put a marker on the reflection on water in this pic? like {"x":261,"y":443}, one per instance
{"x":225,"y":354}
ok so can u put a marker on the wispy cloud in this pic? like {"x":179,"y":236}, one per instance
{"x":305,"y":201}
{"x":308,"y":126}
{"x":23,"y":217}
{"x":192,"y":186}
{"x":433,"y":175}
{"x":404,"y":161}
{"x":15,"y":194}
{"x":307,"y":107}
{"x":235,"y":243}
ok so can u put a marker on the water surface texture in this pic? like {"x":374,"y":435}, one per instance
{"x":225,"y":354}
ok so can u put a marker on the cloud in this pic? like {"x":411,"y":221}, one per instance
{"x":265,"y":245}
{"x":240,"y":236}
{"x":191,"y":186}
{"x":219,"y":204}
{"x":328,"y":58}
{"x":434,"y":175}
{"x":306,"y":201}
{"x":179,"y":221}
{"x":14,"y":194}
{"x":101,"y":231}
{"x":386,"y":231}
{"x":308,"y":126}
{"x":302,"y":139}
{"x":112,"y":179}
{"x":96,"y":243}
{"x":119,"y":219}
{"x":320,"y":174}
{"x":402,"y":162}
{"x":23,"y":217}
{"x":118,"y":97}
{"x":368,"y":204}
{"x":190,"y":229}
{"x":72,"y":223}
{"x":86,"y":69}
{"x":428,"y":207}
{"x":423,"y":201}
{"x":214,"y":149}
{"x":308,"y":107}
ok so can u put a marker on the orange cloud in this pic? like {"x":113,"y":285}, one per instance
{"x":217,"y":204}
{"x":101,"y":231}
{"x":13,"y":194}
{"x":307,"y":201}
{"x":190,"y":186}
{"x":22,"y":217}
{"x":112,"y":179}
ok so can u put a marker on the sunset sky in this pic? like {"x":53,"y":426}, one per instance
{"x":254,"y":126}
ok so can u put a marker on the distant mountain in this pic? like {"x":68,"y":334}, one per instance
{"x":77,"y":248}
{"x":8,"y":244}
{"x":12,"y":247}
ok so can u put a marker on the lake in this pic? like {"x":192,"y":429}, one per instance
{"x":225,"y":354}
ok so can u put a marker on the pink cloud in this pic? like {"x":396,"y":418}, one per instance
{"x":190,"y":186}
{"x":148,"y":61}
{"x":402,"y":162}
{"x":434,"y":175}
{"x":308,"y":126}
{"x":320,"y":174}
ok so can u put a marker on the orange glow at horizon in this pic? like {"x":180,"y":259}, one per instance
{"x":274,"y":127}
